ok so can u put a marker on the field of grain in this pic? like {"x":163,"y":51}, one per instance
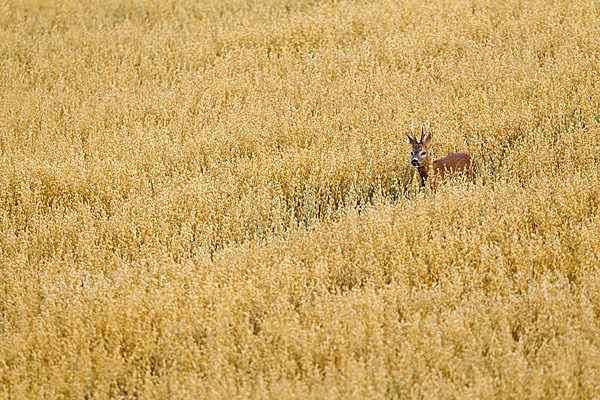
{"x":211,"y":199}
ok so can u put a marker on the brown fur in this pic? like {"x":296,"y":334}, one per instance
{"x":451,"y":164}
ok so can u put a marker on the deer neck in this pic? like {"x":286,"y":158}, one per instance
{"x":424,"y":171}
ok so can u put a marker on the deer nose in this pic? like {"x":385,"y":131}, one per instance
{"x":415,"y":163}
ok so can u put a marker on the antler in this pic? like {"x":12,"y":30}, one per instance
{"x":424,"y":131}
{"x":412,"y":129}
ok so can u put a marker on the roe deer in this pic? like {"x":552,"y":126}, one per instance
{"x":454,"y":163}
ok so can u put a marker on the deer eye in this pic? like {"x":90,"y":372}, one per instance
{"x":423,"y":153}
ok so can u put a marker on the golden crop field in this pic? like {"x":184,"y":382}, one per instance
{"x":213,"y":199}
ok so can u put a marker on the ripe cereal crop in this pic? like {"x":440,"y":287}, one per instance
{"x":213,"y":199}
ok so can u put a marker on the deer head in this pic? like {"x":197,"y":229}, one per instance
{"x":420,"y":148}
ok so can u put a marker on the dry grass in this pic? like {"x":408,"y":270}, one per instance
{"x":210,"y":200}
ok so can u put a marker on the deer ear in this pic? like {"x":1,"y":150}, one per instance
{"x":427,"y":140}
{"x":411,"y":140}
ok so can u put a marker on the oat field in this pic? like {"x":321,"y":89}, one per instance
{"x":213,"y":199}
